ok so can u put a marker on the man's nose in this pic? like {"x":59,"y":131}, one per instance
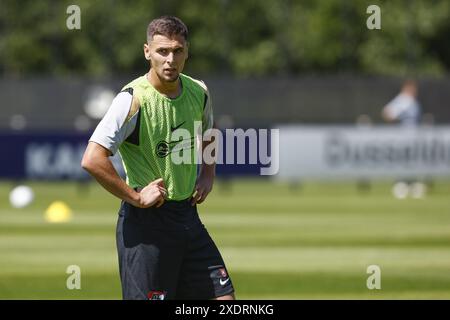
{"x":170,"y":57}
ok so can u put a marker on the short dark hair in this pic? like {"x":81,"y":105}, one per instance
{"x":167,"y":26}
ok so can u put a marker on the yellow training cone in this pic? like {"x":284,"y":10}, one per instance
{"x":58,"y":212}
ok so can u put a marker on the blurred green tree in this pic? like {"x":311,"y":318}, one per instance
{"x":242,"y":38}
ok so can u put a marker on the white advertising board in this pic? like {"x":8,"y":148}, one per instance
{"x":355,"y":152}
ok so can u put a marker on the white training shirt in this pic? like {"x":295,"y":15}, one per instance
{"x":405,"y":109}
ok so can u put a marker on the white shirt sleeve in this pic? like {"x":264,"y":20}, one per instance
{"x":398,"y":106}
{"x":113,"y":129}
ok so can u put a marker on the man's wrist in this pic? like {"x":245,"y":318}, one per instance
{"x":136,"y":199}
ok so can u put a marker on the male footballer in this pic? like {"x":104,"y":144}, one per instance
{"x":164,"y":250}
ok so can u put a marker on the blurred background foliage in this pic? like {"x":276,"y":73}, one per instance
{"x":245,"y":38}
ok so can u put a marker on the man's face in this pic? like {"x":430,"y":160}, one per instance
{"x":167,"y":56}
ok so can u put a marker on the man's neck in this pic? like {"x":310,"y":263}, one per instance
{"x":168,"y":89}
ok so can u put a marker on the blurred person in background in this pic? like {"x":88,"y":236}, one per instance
{"x":406,"y":111}
{"x":165,"y":252}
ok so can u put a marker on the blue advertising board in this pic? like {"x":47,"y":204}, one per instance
{"x":57,"y":156}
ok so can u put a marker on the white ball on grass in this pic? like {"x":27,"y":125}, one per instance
{"x":21,"y":196}
{"x":400,"y":190}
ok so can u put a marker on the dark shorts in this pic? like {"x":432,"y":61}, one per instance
{"x":167,"y":253}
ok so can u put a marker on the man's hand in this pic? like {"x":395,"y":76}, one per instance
{"x":154,"y":193}
{"x":203,"y":186}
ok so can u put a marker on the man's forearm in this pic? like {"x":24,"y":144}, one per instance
{"x":101,"y":168}
{"x":209,"y":168}
{"x":106,"y":175}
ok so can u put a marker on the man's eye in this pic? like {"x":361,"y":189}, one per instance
{"x":162,"y":51}
{"x":179,"y":50}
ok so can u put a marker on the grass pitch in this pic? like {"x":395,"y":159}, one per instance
{"x":312,"y":242}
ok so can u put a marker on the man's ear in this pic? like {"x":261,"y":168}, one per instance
{"x":147,"y":51}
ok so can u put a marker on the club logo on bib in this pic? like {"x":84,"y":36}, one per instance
{"x":162,"y":149}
